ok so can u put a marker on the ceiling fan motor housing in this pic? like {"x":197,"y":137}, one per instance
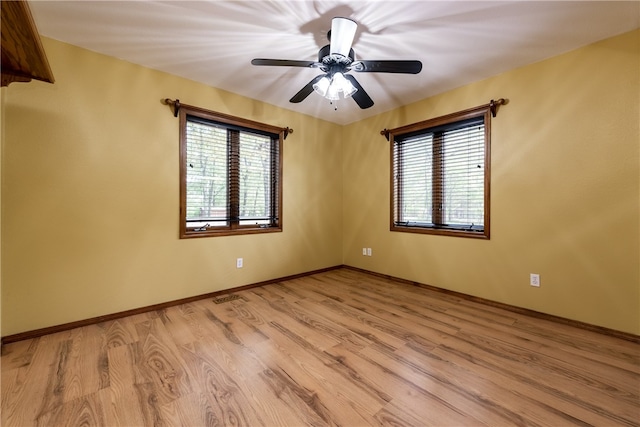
{"x":334,"y":62}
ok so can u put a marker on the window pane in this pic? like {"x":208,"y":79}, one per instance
{"x":464,"y":176}
{"x":255,"y":179}
{"x":206,"y":180}
{"x":415,"y":187}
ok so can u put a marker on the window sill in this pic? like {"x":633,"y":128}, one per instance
{"x":442,"y":232}
{"x":190,"y":234}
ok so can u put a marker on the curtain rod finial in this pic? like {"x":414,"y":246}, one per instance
{"x":493,"y":105}
{"x":385,"y":132}
{"x":172,"y":103}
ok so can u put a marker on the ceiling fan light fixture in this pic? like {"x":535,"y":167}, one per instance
{"x":331,"y":88}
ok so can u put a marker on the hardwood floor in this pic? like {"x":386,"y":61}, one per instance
{"x":339,"y":348}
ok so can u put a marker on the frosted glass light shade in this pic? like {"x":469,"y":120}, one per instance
{"x":321,"y":86}
{"x":343,"y":85}
{"x":333,"y":93}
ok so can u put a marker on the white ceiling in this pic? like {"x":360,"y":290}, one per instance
{"x":213,"y":42}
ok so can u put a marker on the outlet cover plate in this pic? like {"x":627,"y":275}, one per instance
{"x":534,"y":280}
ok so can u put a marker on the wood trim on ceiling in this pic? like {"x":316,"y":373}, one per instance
{"x":23,"y":57}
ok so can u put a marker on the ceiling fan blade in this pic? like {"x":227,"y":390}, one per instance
{"x":361,"y":97}
{"x":406,"y":67}
{"x":284,"y":63}
{"x":343,"y":30}
{"x":306,"y":90}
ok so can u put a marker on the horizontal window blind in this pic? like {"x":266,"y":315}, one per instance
{"x":439,"y":176}
{"x":414,"y":172}
{"x":256,"y":179}
{"x":207,"y":175}
{"x":463,"y":176}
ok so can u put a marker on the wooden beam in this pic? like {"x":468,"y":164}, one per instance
{"x":23,"y":57}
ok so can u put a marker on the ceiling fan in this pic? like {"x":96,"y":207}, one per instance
{"x":336,"y":60}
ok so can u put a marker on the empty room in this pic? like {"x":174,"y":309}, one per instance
{"x":341,"y":213}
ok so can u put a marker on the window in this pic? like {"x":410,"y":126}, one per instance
{"x":230,"y":175}
{"x":440,"y":175}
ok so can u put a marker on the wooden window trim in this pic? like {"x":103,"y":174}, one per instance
{"x":234,"y":228}
{"x":484,"y":111}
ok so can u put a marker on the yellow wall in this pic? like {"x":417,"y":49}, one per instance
{"x":565,"y":191}
{"x":90,"y":193}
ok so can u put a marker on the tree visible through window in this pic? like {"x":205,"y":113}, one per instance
{"x":440,"y":175}
{"x":230,"y":178}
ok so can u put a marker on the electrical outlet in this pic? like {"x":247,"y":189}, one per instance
{"x":534,"y":280}
{"x":368,"y":251}
{"x":239,"y":263}
{"x":364,"y":251}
